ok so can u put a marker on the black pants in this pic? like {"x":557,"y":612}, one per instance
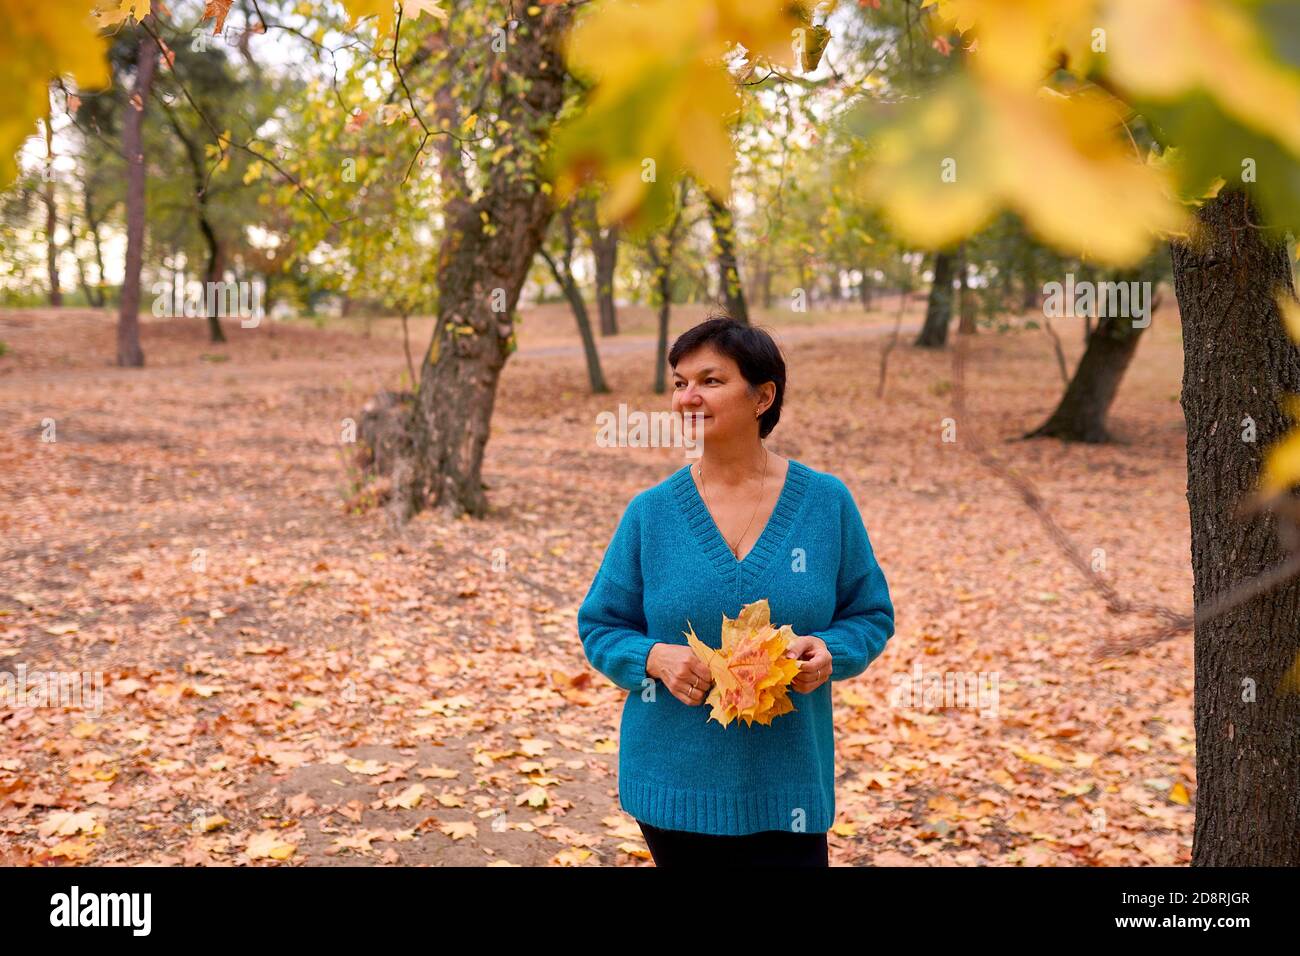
{"x":682,"y":848}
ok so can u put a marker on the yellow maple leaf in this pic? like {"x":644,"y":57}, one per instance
{"x":74,"y":850}
{"x":458,"y":829}
{"x":751,"y":674}
{"x":414,"y":8}
{"x":115,"y":12}
{"x":1043,"y":760}
{"x":408,"y":799}
{"x":384,"y":12}
{"x":267,"y":844}
{"x":217,"y":10}
{"x":67,"y":823}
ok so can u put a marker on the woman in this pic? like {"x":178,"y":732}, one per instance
{"x":740,"y":525}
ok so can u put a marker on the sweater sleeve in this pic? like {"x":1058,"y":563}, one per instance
{"x":864,"y":612}
{"x":611,"y":620}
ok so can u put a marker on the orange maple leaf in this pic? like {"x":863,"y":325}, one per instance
{"x":218,"y":9}
{"x":751,"y":674}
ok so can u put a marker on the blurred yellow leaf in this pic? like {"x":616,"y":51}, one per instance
{"x":663,"y":99}
{"x":414,"y":8}
{"x":1281,"y":469}
{"x":408,"y":799}
{"x":74,"y":850}
{"x":1290,"y":316}
{"x":1051,"y":763}
{"x":459,"y":828}
{"x":38,"y":42}
{"x":115,"y":12}
{"x":957,"y":156}
{"x":384,"y":12}
{"x":1018,"y":40}
{"x":267,"y":844}
{"x":1163,"y":49}
{"x":64,"y":823}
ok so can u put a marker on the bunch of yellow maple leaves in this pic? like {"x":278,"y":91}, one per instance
{"x":751,"y":674}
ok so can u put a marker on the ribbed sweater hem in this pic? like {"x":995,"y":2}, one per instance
{"x":725,"y":812}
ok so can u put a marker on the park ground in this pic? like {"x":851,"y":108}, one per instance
{"x":290,"y":681}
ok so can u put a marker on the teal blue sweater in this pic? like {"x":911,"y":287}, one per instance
{"x":668,"y":562}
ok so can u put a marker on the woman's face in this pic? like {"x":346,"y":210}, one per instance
{"x":709,"y":383}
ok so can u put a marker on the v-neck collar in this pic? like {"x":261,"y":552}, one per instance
{"x":710,"y":538}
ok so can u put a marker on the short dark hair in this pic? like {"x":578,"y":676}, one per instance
{"x":751,"y":348}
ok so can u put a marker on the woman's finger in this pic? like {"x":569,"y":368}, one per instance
{"x":692,"y":697}
{"x":799,"y":647}
{"x":812,"y":674}
{"x":814,"y":668}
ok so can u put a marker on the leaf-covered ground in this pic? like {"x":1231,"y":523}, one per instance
{"x":288,"y":683}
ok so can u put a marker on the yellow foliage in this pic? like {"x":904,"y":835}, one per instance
{"x":1163,"y":49}
{"x":663,"y":99}
{"x":414,"y":8}
{"x":1282,"y":464}
{"x":384,"y":12}
{"x":1018,"y":40}
{"x":976,"y":145}
{"x":39,"y":42}
{"x":751,"y":674}
{"x":115,"y":12}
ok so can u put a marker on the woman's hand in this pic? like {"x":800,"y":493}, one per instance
{"x":814,"y":663}
{"x":681,"y":671}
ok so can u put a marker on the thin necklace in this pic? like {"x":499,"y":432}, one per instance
{"x":762,"y":484}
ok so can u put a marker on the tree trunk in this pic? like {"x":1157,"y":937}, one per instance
{"x":965,"y":300}
{"x":129,"y":352}
{"x":51,"y":220}
{"x":81,"y":280}
{"x":213,"y":274}
{"x":1081,"y":415}
{"x":864,"y":289}
{"x":480,"y":272}
{"x":604,"y":250}
{"x":1238,"y":362}
{"x":1030,"y":291}
{"x":732,"y":293}
{"x":94,"y":294}
{"x":595,"y":376}
{"x":102,"y":289}
{"x":938,"y":313}
{"x":665,"y":310}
